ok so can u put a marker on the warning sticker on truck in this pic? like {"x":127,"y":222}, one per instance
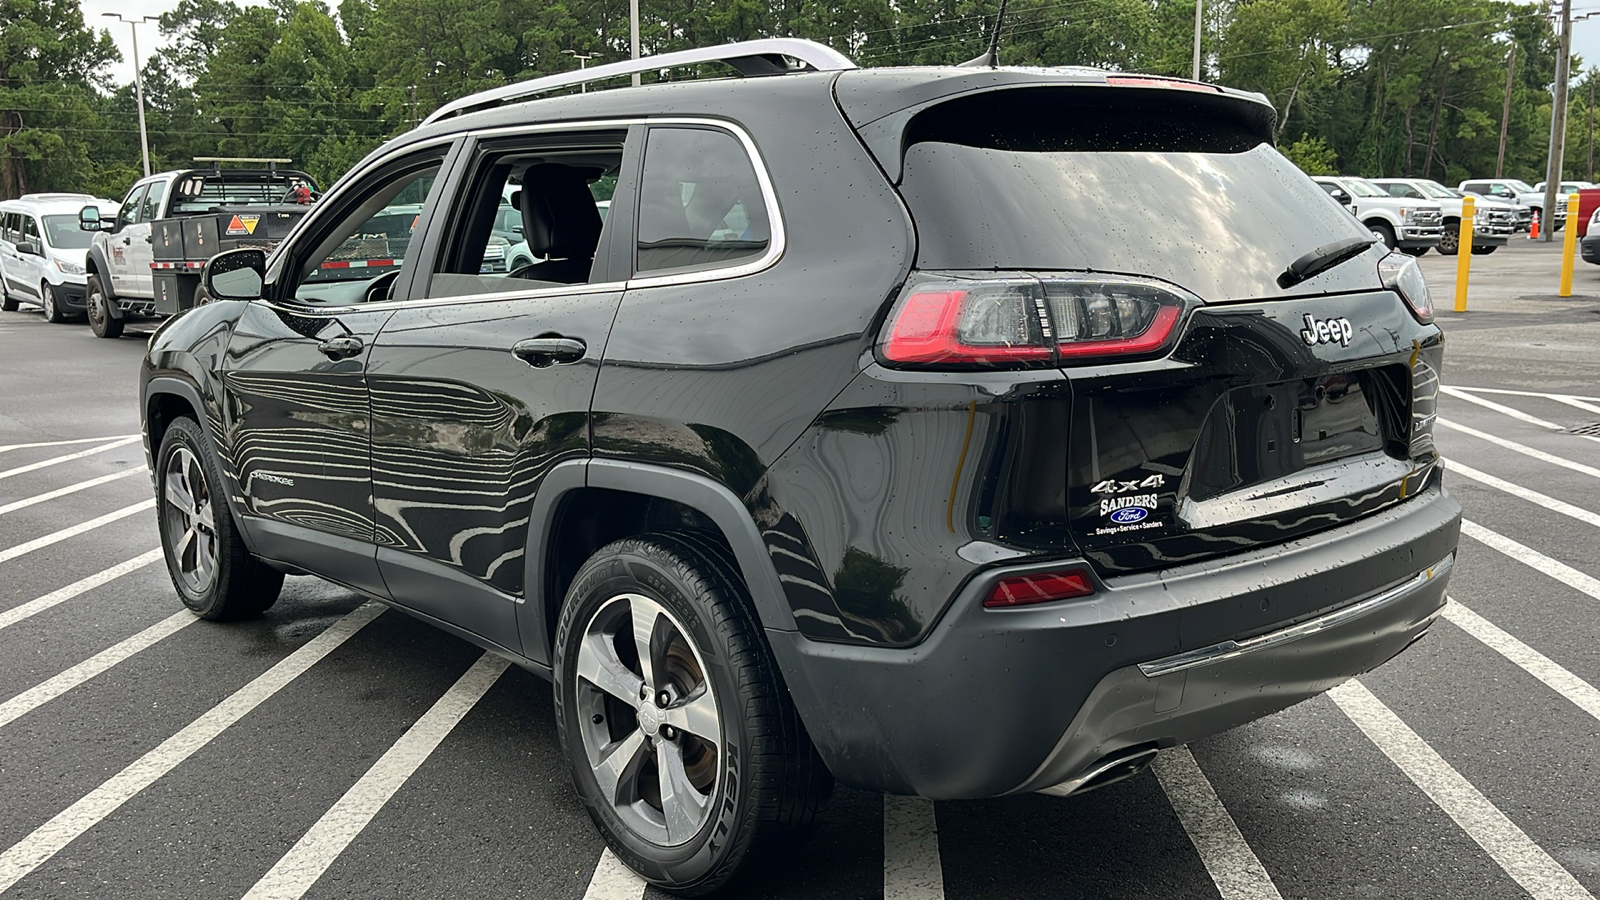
{"x":242,"y":225}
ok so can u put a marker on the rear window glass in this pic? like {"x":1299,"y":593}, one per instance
{"x":1179,"y":192}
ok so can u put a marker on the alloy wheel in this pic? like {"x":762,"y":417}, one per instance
{"x":191,"y":527}
{"x":648,"y":719}
{"x":47,"y":297}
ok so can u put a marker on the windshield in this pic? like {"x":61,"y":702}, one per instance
{"x":1435,"y":189}
{"x":62,"y":233}
{"x":1362,"y":188}
{"x":1521,"y":187}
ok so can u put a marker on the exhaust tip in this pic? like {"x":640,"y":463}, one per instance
{"x":1110,"y":769}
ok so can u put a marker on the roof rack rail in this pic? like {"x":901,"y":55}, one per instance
{"x":749,"y":58}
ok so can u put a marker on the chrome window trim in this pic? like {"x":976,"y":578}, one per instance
{"x":1226,"y":650}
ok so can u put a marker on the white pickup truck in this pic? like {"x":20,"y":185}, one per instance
{"x":1493,"y":221}
{"x":1411,"y":226}
{"x":1528,"y":199}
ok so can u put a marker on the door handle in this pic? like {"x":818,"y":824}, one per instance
{"x":340,"y":347}
{"x":548,"y":351}
{"x":126,"y":241}
{"x":149,"y":239}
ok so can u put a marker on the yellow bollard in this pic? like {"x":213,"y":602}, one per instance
{"x":1464,"y":252}
{"x":1570,"y":250}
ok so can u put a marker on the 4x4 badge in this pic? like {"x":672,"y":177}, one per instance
{"x":1327,"y":331}
{"x":1113,"y":486}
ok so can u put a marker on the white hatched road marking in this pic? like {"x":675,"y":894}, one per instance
{"x":1517,"y":414}
{"x":1516,"y":490}
{"x":48,"y":839}
{"x":1532,"y":558}
{"x":1234,"y":867}
{"x":1553,"y":674}
{"x":310,"y":857}
{"x":57,"y":536}
{"x":911,"y":866}
{"x":60,"y":595}
{"x":44,"y":692}
{"x":1510,"y":847}
{"x":614,"y":881}
{"x":69,"y":489}
{"x":34,"y":467}
{"x":1524,"y":449}
{"x":109,"y":437}
{"x":1556,"y":397}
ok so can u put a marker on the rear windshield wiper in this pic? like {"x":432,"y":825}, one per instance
{"x":1322,"y":259}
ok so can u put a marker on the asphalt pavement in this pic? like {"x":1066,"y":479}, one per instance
{"x":332,"y":749}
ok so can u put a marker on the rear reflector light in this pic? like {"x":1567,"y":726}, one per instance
{"x":1022,"y":590}
{"x":1026,"y":321}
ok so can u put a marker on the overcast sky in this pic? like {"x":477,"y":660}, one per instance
{"x":1585,"y":34}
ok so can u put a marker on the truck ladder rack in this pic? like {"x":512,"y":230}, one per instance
{"x":749,"y":58}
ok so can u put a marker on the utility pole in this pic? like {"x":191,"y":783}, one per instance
{"x":633,"y":34}
{"x":1505,"y":116}
{"x":138,"y":80}
{"x":1558,"y":127}
{"x":1198,"y":5}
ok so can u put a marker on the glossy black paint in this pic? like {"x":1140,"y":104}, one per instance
{"x":867,"y":507}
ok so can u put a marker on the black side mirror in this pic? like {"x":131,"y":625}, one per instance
{"x":28,"y":248}
{"x":236,"y":275}
{"x":89,"y":220}
{"x":1342,"y":197}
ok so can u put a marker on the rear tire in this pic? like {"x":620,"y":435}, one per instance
{"x":215,"y":575}
{"x":101,"y":322}
{"x":47,"y":300}
{"x":8,"y":303}
{"x":742,"y":777}
{"x":1485,"y":251}
{"x":1414,"y":251}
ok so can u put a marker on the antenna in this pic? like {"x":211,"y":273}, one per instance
{"x":990,"y":57}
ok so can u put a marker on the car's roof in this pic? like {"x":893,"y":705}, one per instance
{"x":51,"y":204}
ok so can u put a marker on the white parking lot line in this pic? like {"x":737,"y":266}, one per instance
{"x":57,"y":536}
{"x":1509,"y":846}
{"x":1556,"y":397}
{"x":1554,"y":675}
{"x":34,"y":467}
{"x":109,"y":437}
{"x":911,"y":866}
{"x":43,"y":693}
{"x":1233,"y":866}
{"x":48,"y":839}
{"x":69,"y":489}
{"x":1524,"y":449}
{"x":1532,"y":558}
{"x":61,"y":595}
{"x":614,"y":881}
{"x":1517,"y":414}
{"x":297,"y":870}
{"x":1516,"y":490}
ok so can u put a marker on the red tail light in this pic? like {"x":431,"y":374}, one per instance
{"x":1022,"y":590}
{"x":1027,"y":321}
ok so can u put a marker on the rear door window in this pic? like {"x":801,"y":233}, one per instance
{"x":700,"y":204}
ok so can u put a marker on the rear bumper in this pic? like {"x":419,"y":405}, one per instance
{"x":999,"y":702}
{"x":1589,"y":246}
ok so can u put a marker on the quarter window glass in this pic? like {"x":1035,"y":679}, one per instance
{"x":151,"y":207}
{"x":358,"y":258}
{"x":129,"y":213}
{"x":8,"y":227}
{"x":700,"y":205}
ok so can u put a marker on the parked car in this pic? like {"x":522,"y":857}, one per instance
{"x":1528,"y":199}
{"x":1493,"y":221}
{"x":1408,"y":225}
{"x":42,"y":253}
{"x":850,"y":445}
{"x":1589,"y":243}
{"x":147,"y":259}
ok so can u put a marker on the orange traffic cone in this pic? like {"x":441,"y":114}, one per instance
{"x":1533,"y":229}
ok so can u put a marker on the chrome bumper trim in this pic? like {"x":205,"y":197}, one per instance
{"x":1226,"y":650}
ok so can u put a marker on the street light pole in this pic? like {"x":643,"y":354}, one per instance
{"x":1558,"y":127}
{"x":633,"y":34}
{"x":138,"y":81}
{"x":583,"y":63}
{"x":1198,"y":5}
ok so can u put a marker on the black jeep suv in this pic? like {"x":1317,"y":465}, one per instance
{"x":956,"y":432}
